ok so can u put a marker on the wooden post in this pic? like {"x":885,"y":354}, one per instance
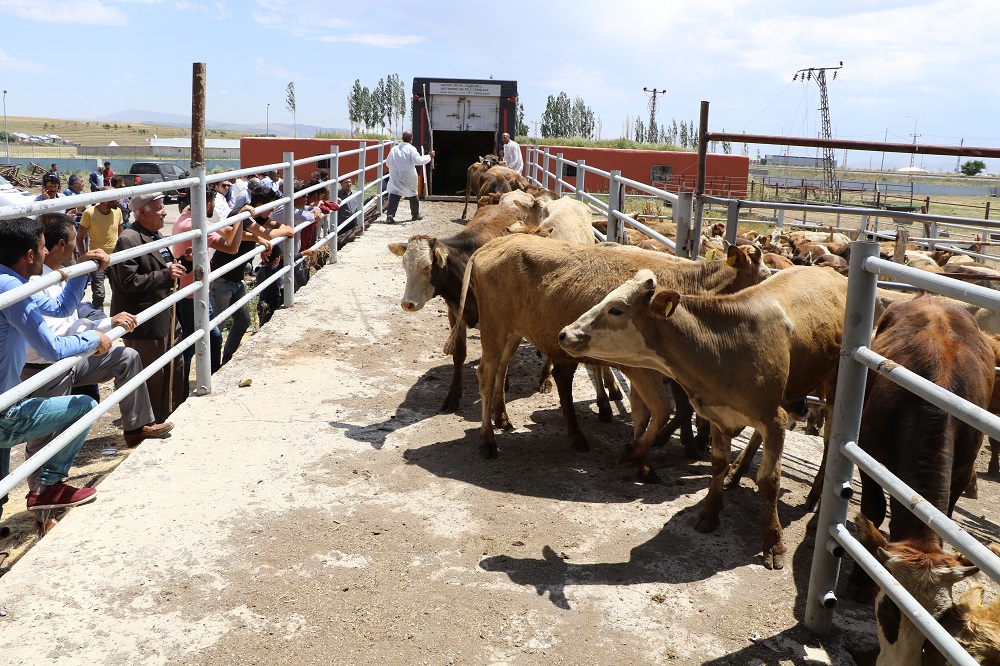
{"x":902,"y":238}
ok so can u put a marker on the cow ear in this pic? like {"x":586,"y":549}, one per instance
{"x":664,"y":303}
{"x":732,"y":256}
{"x":440,"y":256}
{"x":398,"y":249}
{"x":516,"y":228}
{"x":952,"y":575}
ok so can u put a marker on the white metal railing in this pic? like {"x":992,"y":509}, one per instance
{"x":537,"y":169}
{"x":844,"y":453}
{"x":202,"y":273}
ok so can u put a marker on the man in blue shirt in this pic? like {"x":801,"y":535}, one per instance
{"x":22,"y":254}
{"x":97,"y":179}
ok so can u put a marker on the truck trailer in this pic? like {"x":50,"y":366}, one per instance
{"x":461,"y":120}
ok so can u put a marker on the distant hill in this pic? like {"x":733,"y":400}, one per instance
{"x":178,"y":120}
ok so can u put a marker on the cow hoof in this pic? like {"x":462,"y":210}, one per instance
{"x":733,"y":479}
{"x":615,"y":393}
{"x":647,"y":474}
{"x":488,"y":451}
{"x":545,"y":386}
{"x":449,"y":407}
{"x":812,"y":430}
{"x":774,"y":560}
{"x":692,"y":452}
{"x":604,"y":414}
{"x":812,"y":501}
{"x":706,"y":524}
{"x":503,"y":422}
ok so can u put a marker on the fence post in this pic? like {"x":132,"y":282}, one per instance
{"x":931,"y":246}
{"x":614,"y":204}
{"x":837,"y":489}
{"x":288,"y":246}
{"x":683,"y":218}
{"x":781,"y":218}
{"x":732,"y":220}
{"x":199,"y":244}
{"x":580,"y":173}
{"x":335,"y":175}
{"x":987,"y":211}
{"x":361,"y":186}
{"x":545,"y":170}
{"x":559,"y":174}
{"x":381,"y":166}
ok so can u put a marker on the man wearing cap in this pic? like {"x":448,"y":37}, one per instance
{"x":139,"y":283}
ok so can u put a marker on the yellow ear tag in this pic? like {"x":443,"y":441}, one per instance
{"x":711,"y":255}
{"x":670,"y":310}
{"x":731,"y":261}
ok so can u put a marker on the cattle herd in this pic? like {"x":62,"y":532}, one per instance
{"x":722,"y":339}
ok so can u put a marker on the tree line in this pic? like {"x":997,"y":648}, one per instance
{"x":564,"y":119}
{"x":382,"y":107}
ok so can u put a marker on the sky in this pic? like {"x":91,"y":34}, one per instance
{"x":929,"y":68}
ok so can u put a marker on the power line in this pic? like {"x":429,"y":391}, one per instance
{"x":653,"y":92}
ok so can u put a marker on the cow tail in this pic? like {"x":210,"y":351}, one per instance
{"x":449,"y":347}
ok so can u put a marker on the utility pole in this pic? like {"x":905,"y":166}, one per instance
{"x":958,"y":160}
{"x":915,"y":135}
{"x":535,"y":123}
{"x":881,"y":167}
{"x":819,"y":73}
{"x":653,"y":92}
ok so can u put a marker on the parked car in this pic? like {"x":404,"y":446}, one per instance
{"x":142,"y":173}
{"x":12,"y":196}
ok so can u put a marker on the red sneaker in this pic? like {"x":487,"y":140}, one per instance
{"x":60,"y":496}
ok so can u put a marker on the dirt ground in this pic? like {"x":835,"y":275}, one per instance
{"x":328,"y":514}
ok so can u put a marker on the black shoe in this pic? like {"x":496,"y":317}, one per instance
{"x":416,"y":218}
{"x":389,"y":220}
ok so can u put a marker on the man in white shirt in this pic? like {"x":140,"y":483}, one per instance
{"x":512,"y":153}
{"x":402,"y":161}
{"x":120,"y":363}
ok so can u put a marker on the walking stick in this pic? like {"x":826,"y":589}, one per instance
{"x":173,"y":325}
{"x":430,"y":131}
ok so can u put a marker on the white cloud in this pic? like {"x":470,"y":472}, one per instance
{"x":8,"y":62}
{"x":271,"y":71}
{"x":372,"y":39}
{"x":84,"y":12}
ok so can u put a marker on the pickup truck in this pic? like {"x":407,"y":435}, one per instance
{"x":142,"y":173}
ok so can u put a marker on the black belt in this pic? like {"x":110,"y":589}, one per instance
{"x":37,"y":366}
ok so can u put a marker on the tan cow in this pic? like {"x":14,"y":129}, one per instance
{"x":529,"y":288}
{"x":473,"y":176}
{"x":564,"y":219}
{"x":742,"y":359}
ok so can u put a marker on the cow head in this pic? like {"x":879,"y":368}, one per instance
{"x":609,"y":331}
{"x":422,"y":255}
{"x":926,"y":572}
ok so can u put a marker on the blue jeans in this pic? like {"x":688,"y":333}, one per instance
{"x":223,"y":294}
{"x":185,"y":314}
{"x":34,"y":418}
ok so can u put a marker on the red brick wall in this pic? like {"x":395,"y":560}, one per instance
{"x":725,"y":175}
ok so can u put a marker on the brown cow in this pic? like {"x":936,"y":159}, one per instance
{"x":473,"y":175}
{"x":931,"y":451}
{"x":499,"y":180}
{"x":776,"y":341}
{"x":530,"y":288}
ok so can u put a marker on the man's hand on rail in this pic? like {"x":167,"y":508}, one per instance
{"x":282,"y":230}
{"x":177,"y":271}
{"x":125,"y":320}
{"x":98,"y":255}
{"x":103,"y":345}
{"x":266,"y":254}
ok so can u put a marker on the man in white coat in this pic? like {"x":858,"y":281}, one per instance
{"x":402,"y":161}
{"x":512,"y":153}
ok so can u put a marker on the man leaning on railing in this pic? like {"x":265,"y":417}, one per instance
{"x":22,"y":254}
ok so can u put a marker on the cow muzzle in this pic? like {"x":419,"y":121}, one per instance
{"x":409,"y":306}
{"x":574,"y":340}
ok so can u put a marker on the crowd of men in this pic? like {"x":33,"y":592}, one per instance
{"x":55,"y":323}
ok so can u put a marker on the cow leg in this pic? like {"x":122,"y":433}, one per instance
{"x":708,"y":516}
{"x":769,"y":484}
{"x":454,"y":397}
{"x":614,"y":391}
{"x":603,"y":403}
{"x":488,"y":372}
{"x":648,"y":389}
{"x":640,"y":420}
{"x":742,"y":463}
{"x":816,"y":492}
{"x":563,"y":373}
{"x":545,"y":381}
{"x":703,"y":440}
{"x":500,"y":418}
{"x":993,"y":471}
